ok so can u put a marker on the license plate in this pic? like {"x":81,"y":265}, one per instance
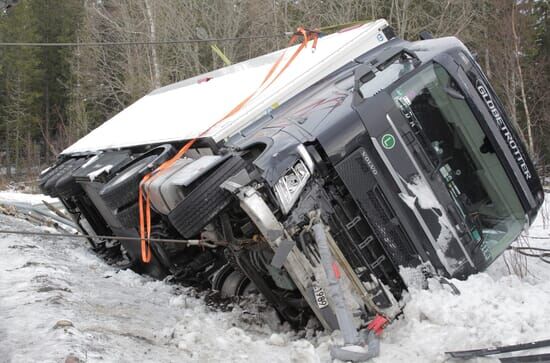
{"x":320,"y":297}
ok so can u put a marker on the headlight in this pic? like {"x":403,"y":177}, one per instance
{"x":289,"y":187}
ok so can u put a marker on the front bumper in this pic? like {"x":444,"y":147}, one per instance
{"x":310,"y":278}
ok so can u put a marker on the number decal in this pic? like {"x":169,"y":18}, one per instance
{"x":320,"y":297}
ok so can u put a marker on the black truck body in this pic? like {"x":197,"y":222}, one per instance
{"x":405,"y":155}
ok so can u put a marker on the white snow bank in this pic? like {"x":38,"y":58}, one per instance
{"x":124,"y":317}
{"x":8,"y":196}
{"x":118,"y":316}
{"x":494,"y":308}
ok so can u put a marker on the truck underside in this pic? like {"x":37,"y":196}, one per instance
{"x":234,"y":236}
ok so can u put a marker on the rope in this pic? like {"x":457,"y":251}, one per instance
{"x":144,"y":200}
{"x":193,"y":242}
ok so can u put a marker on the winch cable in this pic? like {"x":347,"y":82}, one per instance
{"x":543,"y":253}
{"x":144,"y":200}
{"x":194,"y":242}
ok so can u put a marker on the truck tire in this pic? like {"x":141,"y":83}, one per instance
{"x":123,"y":188}
{"x":62,"y":170}
{"x":220,"y":276}
{"x":236,"y":284}
{"x":66,"y":186}
{"x":45,"y":175}
{"x":206,"y":200}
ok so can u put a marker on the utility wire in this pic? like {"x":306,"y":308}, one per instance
{"x":103,"y":44}
{"x":329,"y":29}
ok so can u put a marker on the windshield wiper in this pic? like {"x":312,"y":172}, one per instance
{"x":453,"y":93}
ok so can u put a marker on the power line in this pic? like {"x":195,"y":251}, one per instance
{"x":102,"y":44}
{"x":329,"y":29}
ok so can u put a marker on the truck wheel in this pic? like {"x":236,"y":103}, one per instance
{"x":66,"y":186}
{"x":45,"y":175}
{"x":206,"y":200}
{"x":235,"y":284}
{"x":220,"y":276}
{"x":61,"y":171}
{"x":123,"y":188}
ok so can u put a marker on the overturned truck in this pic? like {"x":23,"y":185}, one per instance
{"x":340,"y":172}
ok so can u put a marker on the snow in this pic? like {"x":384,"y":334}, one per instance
{"x":116,"y":316}
{"x":94,"y":174}
{"x":184,"y":110}
{"x":422,"y":192}
{"x":89,"y":162}
{"x":33,"y":199}
{"x":495,"y":308}
{"x":58,"y":299}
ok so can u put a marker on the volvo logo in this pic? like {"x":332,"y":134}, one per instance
{"x":369,"y":162}
{"x":504,"y":129}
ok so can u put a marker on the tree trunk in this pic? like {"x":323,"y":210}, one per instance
{"x":522,"y":86}
{"x":153,"y":37}
{"x":8,"y":150}
{"x":486,"y":39}
{"x":17,"y":151}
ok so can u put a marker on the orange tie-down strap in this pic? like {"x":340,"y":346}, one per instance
{"x":271,"y":76}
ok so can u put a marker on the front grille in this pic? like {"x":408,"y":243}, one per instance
{"x":358,"y":178}
{"x":388,"y":227}
{"x":358,"y":243}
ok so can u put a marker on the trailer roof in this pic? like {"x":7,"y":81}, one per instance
{"x":183,"y":110}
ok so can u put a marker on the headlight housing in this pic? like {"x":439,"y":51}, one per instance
{"x":289,"y":187}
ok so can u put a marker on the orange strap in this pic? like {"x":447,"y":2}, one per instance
{"x":144,"y":201}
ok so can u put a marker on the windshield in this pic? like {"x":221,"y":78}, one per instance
{"x":464,"y":157}
{"x":387,"y":73}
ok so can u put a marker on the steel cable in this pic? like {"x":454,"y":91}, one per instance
{"x":196,"y":242}
{"x":543,"y":255}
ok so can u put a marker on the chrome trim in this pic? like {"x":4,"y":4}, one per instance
{"x":287,"y":194}
{"x":306,"y":157}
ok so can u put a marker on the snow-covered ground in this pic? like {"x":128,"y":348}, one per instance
{"x":57,"y":299}
{"x":8,"y":196}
